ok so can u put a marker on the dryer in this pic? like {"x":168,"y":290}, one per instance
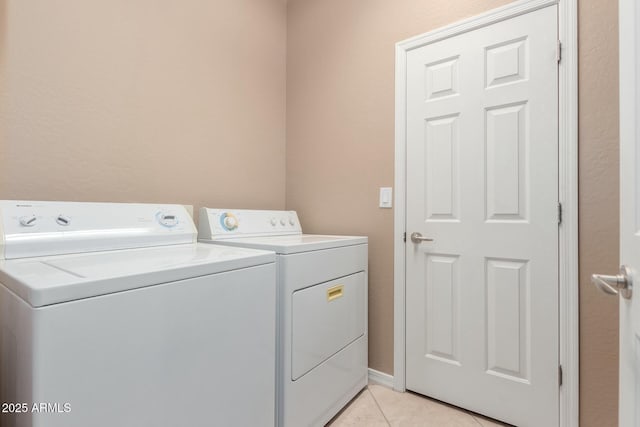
{"x":322,"y":308}
{"x":113,"y":315}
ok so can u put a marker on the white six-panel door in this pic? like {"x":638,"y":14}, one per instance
{"x":482,"y":182}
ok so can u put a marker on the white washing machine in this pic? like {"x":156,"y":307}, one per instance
{"x":322,"y":309}
{"x":112,"y":315}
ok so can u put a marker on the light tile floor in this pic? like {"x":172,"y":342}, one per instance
{"x":380,"y":406}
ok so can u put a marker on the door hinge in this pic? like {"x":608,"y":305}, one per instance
{"x":404,"y":238}
{"x":559,"y":52}
{"x":560,"y":375}
{"x":559,"y":213}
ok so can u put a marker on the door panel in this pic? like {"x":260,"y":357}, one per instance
{"x":441,"y":160}
{"x":482,"y":181}
{"x":442,"y":299}
{"x":506,"y":151}
{"x":508,"y":333}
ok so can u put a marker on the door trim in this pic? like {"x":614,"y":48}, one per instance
{"x":567,"y":189}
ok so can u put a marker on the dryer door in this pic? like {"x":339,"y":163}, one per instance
{"x":326,"y":318}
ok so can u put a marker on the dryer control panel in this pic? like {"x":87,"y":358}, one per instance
{"x":233,"y":223}
{"x":32,"y":228}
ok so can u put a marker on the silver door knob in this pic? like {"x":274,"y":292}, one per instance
{"x":417,"y":238}
{"x":614,"y":285}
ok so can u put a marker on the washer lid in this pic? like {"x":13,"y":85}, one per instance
{"x":55,"y":279}
{"x":293,"y":243}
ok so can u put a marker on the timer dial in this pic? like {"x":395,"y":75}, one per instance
{"x":229,"y":221}
{"x":168,"y":219}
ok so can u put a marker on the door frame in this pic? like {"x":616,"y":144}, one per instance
{"x":567,"y":188}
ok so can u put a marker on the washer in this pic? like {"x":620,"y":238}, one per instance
{"x":113,"y":315}
{"x":322,"y":308}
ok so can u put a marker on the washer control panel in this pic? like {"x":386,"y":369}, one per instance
{"x":231,"y":223}
{"x":31,"y":228}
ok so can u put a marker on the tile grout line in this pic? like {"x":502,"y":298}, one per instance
{"x":475,"y":419}
{"x":378,"y":405}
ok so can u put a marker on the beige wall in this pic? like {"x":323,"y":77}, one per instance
{"x":340,"y":148}
{"x":146,"y":100}
{"x":599,"y":201}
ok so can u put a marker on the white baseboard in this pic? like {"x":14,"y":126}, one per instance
{"x":380,"y":378}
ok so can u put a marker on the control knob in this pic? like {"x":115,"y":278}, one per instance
{"x":63,"y":220}
{"x":28,"y":220}
{"x":167,"y":219}
{"x":229,"y":221}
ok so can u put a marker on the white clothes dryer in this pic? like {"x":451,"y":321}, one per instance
{"x":112,"y":315}
{"x":322,"y":309}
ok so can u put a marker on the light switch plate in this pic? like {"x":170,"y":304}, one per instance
{"x":386,"y":197}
